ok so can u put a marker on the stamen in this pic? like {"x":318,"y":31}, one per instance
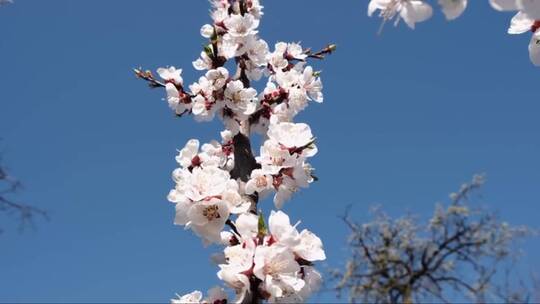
{"x":211,"y":212}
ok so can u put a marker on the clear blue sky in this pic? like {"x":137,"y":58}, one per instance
{"x":407,"y":118}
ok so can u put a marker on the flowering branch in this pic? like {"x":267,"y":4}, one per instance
{"x":223,"y":183}
{"x":149,"y":77}
{"x":329,"y":49}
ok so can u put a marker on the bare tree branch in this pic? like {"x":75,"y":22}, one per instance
{"x":24,"y":213}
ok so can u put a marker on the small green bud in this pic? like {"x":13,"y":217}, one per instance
{"x":262,"y":225}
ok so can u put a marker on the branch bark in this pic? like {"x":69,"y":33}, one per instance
{"x":244,"y":160}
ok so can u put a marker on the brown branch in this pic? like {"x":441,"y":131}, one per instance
{"x":149,"y":77}
{"x":329,"y":49}
{"x":244,"y":160}
{"x":232,"y":226}
{"x":25,"y":212}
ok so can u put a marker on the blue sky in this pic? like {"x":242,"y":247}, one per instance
{"x":408,"y":116}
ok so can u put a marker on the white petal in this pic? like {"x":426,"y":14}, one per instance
{"x":190,"y":298}
{"x":530,"y":7}
{"x":453,"y":8}
{"x":377,"y":4}
{"x":521,"y":23}
{"x":310,"y":247}
{"x":415,"y":11}
{"x":281,"y":197}
{"x":182,"y":210}
{"x":534,"y":49}
{"x":247,"y":225}
{"x":504,"y":5}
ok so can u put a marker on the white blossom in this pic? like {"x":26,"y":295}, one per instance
{"x":218,"y":77}
{"x":256,"y":50}
{"x":212,"y":154}
{"x":300,"y":85}
{"x":283,"y":52}
{"x":241,"y":26}
{"x":259,"y":182}
{"x":275,"y":157}
{"x":174,"y":100}
{"x":242,"y":101}
{"x":305,"y":244}
{"x":529,"y":7}
{"x":282,"y":159}
{"x":313,"y":282}
{"x":286,"y":187}
{"x":203,"y":63}
{"x":239,"y":263}
{"x":216,"y":295}
{"x":205,"y":105}
{"x":255,"y":9}
{"x":452,"y":9}
{"x":295,"y":137}
{"x":205,"y":197}
{"x":187,"y":155}
{"x":171,"y":74}
{"x":194,"y":297}
{"x":522,"y":23}
{"x":277,"y":268}
{"x":411,"y":11}
{"x":275,"y":260}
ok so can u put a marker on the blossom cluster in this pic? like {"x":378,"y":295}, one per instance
{"x":411,"y":12}
{"x":233,"y":35}
{"x":219,"y":184}
{"x":279,"y":260}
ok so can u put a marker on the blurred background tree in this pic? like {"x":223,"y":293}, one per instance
{"x":462,"y":253}
{"x":9,"y":207}
{"x":4,"y":2}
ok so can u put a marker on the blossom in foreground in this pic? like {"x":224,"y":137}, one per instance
{"x":452,"y":9}
{"x":529,"y":7}
{"x":522,"y":23}
{"x":411,"y":11}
